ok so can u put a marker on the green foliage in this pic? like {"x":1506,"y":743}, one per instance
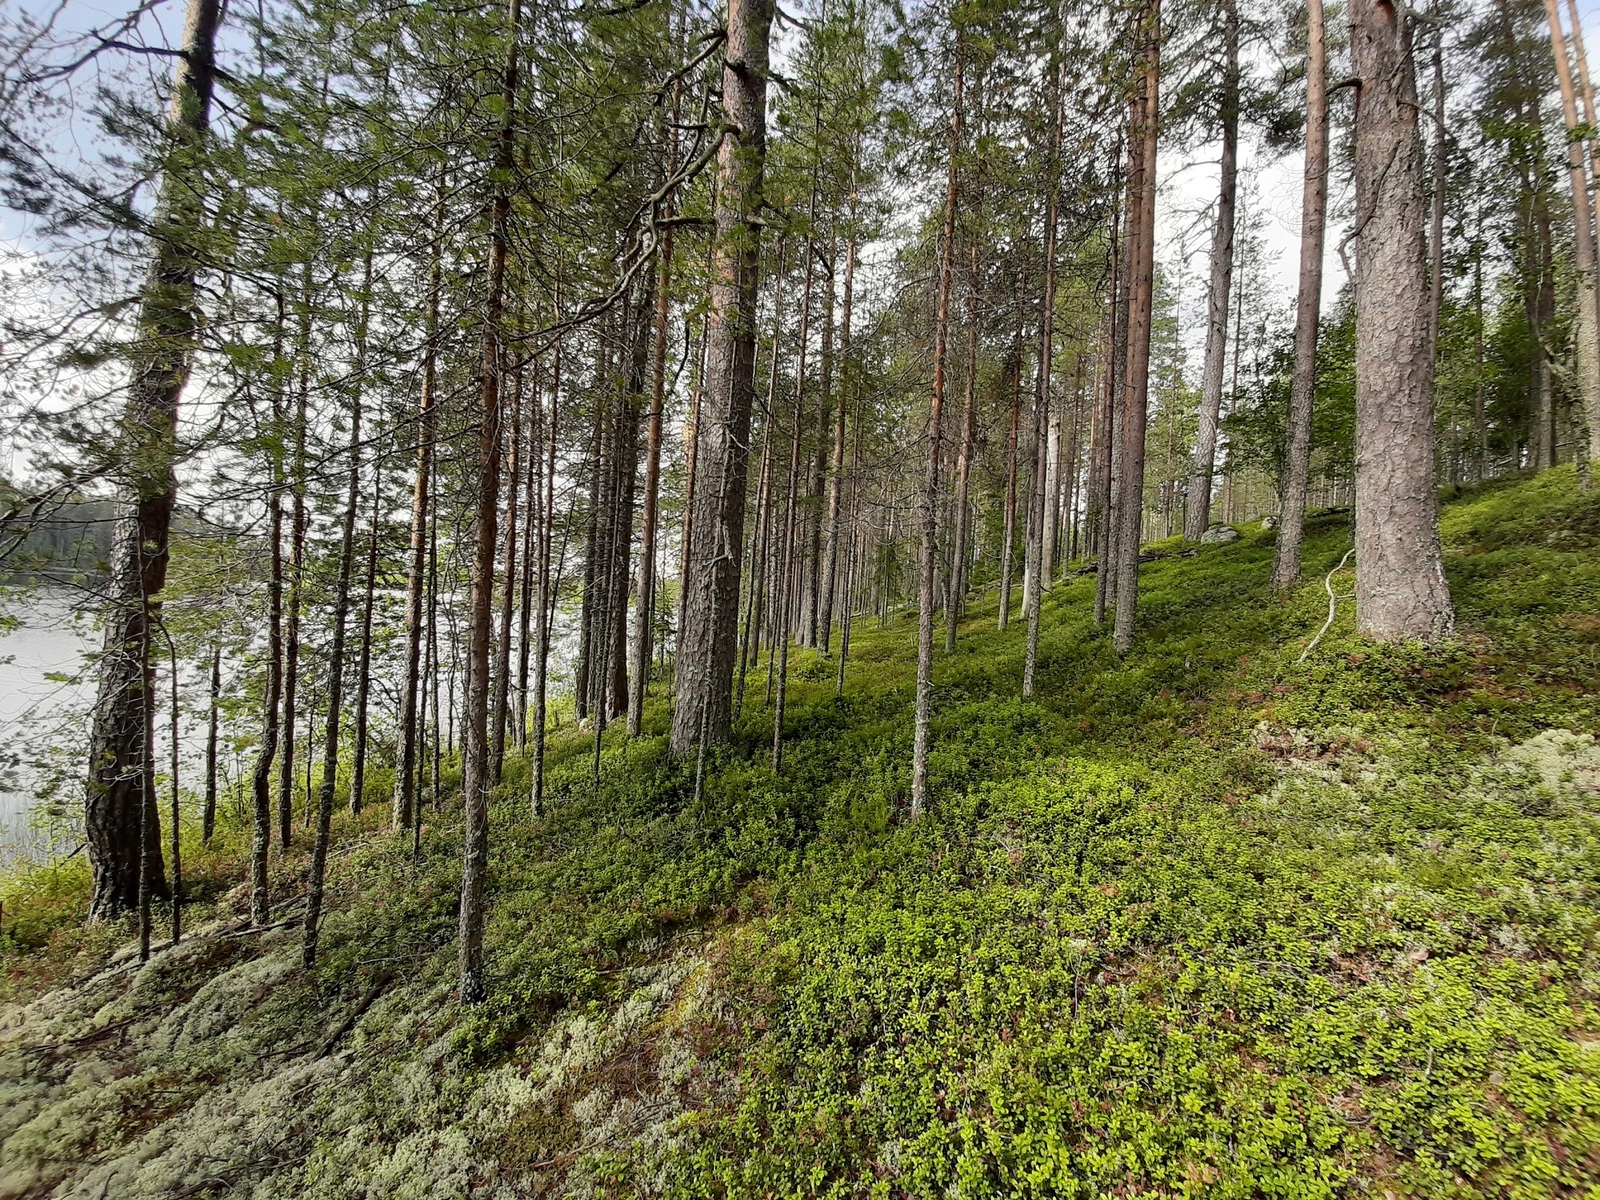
{"x":1206,"y":922}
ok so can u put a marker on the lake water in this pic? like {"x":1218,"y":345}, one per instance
{"x":45,"y":701}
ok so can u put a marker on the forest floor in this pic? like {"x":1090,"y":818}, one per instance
{"x":1204,"y":922}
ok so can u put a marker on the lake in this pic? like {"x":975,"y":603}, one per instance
{"x":44,"y":722}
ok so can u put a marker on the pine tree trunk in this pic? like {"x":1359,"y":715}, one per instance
{"x":1400,"y":586}
{"x":831,"y":571}
{"x":531,"y":500}
{"x":208,"y":815}
{"x":122,"y":828}
{"x":500,"y":699}
{"x":474,"y":759}
{"x":546,"y":598}
{"x":1308,"y":305}
{"x":261,"y":777}
{"x":787,"y":573}
{"x":1037,"y":568}
{"x":1198,"y":514}
{"x":1110,"y":467}
{"x":969,"y":437}
{"x":411,"y":732}
{"x":930,"y":495}
{"x":341,"y":604}
{"x":1008,"y":537}
{"x":708,"y":640}
{"x":1588,"y":315}
{"x":358,"y":770}
{"x":645,"y":617}
{"x":1141,"y":251}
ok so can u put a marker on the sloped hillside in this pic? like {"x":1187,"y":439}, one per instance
{"x":1207,"y":922}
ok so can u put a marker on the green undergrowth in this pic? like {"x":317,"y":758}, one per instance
{"x":1205,"y":922}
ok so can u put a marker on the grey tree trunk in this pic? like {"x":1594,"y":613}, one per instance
{"x":330,"y":738}
{"x":708,"y":640}
{"x":1308,"y":305}
{"x":411,"y":732}
{"x":930,"y":493}
{"x":1198,"y":513}
{"x":1008,"y":535}
{"x":208,"y":816}
{"x":547,"y":583}
{"x":1141,"y":250}
{"x":121,"y":824}
{"x":1588,"y":315}
{"x":645,"y":617}
{"x":1401,"y":591}
{"x":475,"y":743}
{"x":500,"y":696}
{"x":969,"y":437}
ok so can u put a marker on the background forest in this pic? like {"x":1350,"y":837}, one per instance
{"x":757,"y":600}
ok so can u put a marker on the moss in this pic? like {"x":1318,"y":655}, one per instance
{"x":1207,"y":921}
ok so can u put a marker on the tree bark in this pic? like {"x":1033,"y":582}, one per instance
{"x":708,"y":640}
{"x":410,"y":731}
{"x":546,"y":596}
{"x":358,"y":769}
{"x":474,"y":759}
{"x":1198,"y":514}
{"x":208,"y":815}
{"x":969,"y":434}
{"x":500,"y":698}
{"x":645,"y":617}
{"x":930,"y":492}
{"x":1588,"y":315}
{"x":1401,"y":591}
{"x":1308,"y":305}
{"x":341,"y":603}
{"x":1141,"y":249}
{"x":122,"y":827}
{"x":1008,"y":537}
{"x":1036,"y":573}
{"x":831,"y":570}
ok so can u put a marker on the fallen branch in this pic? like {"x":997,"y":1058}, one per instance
{"x":343,"y":1027}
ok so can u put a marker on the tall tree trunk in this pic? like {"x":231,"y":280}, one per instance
{"x":1008,"y":536}
{"x":1308,"y":305}
{"x":969,"y":437}
{"x":652,"y":461}
{"x":261,"y":777}
{"x":411,"y":732}
{"x":1480,"y":423}
{"x":358,"y":769}
{"x":300,"y":520}
{"x":624,"y":495}
{"x":1198,"y":515}
{"x":121,"y":825}
{"x":1588,"y":316}
{"x":546,"y":592}
{"x":1110,"y":467}
{"x":341,"y":603}
{"x":930,"y":494}
{"x":786,"y":575}
{"x":1037,"y":570}
{"x":708,"y":640}
{"x":1141,"y":250}
{"x":831,"y":571}
{"x":474,"y":759}
{"x":691,"y":449}
{"x":531,"y":501}
{"x":500,"y":699}
{"x":208,"y":815}
{"x":1400,"y":584}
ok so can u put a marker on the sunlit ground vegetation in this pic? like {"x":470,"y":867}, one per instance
{"x":1208,"y":921}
